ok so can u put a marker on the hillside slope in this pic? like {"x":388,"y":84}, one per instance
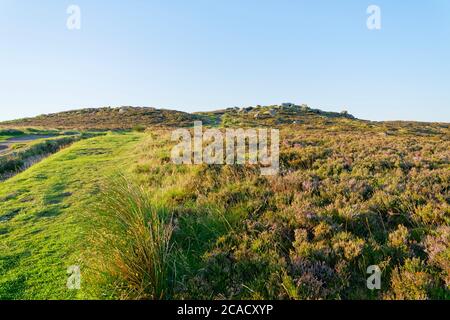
{"x":350,"y":194}
{"x":106,"y":119}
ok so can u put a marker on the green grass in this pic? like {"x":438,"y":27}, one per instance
{"x":130,"y":244}
{"x":40,"y":213}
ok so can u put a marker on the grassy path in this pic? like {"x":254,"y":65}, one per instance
{"x":40,"y":210}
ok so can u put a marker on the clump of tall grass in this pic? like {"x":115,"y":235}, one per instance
{"x":133,"y":242}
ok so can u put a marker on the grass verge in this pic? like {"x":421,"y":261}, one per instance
{"x":41,"y":215}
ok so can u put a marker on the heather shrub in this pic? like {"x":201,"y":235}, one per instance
{"x":410,"y":281}
{"x":437,"y":246}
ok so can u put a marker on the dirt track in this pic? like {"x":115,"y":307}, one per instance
{"x":6,"y":145}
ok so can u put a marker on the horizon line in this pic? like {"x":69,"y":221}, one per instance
{"x":69,"y":109}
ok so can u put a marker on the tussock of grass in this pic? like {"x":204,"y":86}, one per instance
{"x":132,"y":241}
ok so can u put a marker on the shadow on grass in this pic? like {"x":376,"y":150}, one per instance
{"x":49,"y":213}
{"x":9,"y":215}
{"x":197,"y":232}
{"x":14,"y":287}
{"x":56,"y":194}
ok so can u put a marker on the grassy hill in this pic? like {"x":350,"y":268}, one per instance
{"x":350,"y":194}
{"x":106,"y":119}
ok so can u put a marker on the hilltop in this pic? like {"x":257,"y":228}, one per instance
{"x":286,"y":114}
{"x":106,"y":118}
{"x":131,"y":117}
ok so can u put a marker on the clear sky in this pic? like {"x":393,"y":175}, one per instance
{"x":195,"y":55}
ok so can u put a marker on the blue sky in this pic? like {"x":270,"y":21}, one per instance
{"x":202,"y":55}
